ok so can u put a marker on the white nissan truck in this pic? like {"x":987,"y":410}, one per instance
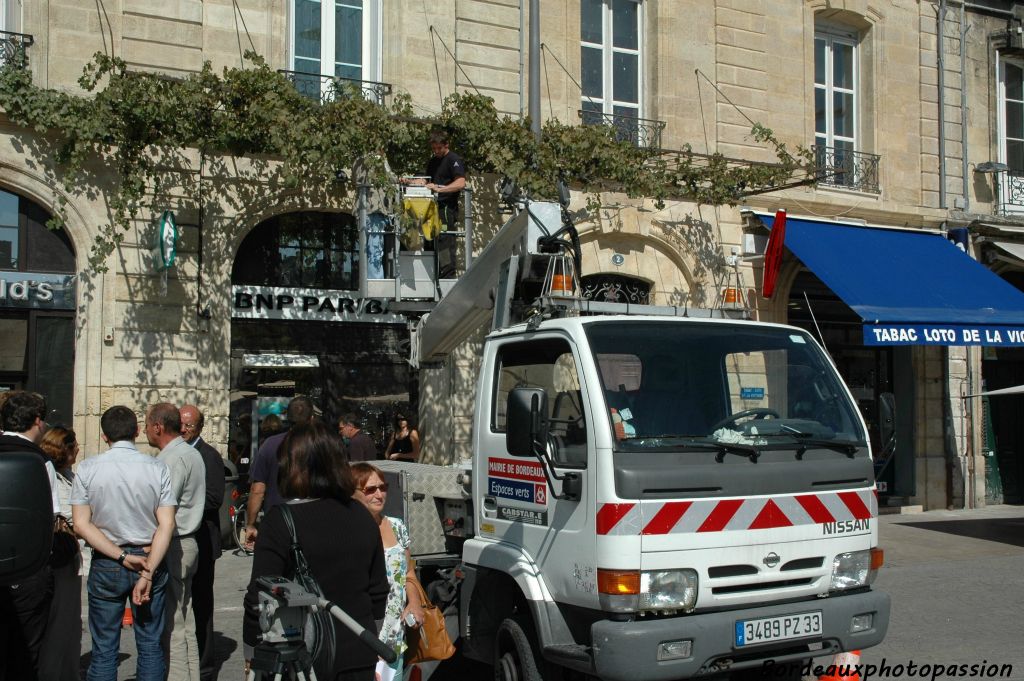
{"x":654,"y":492}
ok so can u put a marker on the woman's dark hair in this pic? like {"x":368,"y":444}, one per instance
{"x":312,"y":464}
{"x":59,"y":444}
{"x":408,"y":421}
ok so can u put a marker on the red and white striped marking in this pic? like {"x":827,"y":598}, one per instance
{"x":723,"y":515}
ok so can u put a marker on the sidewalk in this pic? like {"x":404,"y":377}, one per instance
{"x":922,"y":551}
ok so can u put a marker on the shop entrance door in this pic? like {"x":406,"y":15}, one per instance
{"x":1004,"y":368}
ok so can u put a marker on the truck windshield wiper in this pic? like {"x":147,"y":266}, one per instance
{"x":805,"y":441}
{"x":723,"y":448}
{"x":690,"y":442}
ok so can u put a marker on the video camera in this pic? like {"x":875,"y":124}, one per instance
{"x":283,"y":606}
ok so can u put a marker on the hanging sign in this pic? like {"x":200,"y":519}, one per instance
{"x":944,"y":334}
{"x":165,"y":250}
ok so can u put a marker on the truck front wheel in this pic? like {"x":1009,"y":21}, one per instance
{"x":515,"y":658}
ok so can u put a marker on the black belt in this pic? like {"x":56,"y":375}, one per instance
{"x":185,"y":536}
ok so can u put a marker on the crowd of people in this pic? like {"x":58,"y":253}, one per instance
{"x":148,"y":535}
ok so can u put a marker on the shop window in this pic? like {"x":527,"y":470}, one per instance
{"x":301,"y":250}
{"x":337,"y":38}
{"x":611,"y":61}
{"x":12,"y":350}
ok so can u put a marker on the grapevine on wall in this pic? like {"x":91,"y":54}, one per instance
{"x":135,"y":123}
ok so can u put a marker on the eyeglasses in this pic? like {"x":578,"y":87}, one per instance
{"x":372,"y":489}
{"x":188,"y":426}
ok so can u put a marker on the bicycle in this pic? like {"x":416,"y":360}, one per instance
{"x":239,"y":515}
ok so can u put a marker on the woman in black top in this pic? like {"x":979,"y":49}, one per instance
{"x":405,"y":441}
{"x":338,"y":537}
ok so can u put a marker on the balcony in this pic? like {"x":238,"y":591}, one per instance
{"x":640,"y":132}
{"x":14,"y":49}
{"x":848,"y":169}
{"x":1010,"y":192}
{"x":325,"y":89}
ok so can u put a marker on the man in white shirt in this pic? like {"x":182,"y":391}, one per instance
{"x":25,"y":606}
{"x":122,"y":505}
{"x":188,"y":483}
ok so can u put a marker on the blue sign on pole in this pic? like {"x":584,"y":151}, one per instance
{"x":751,"y":393}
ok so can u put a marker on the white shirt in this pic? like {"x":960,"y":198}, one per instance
{"x":124,"y":488}
{"x":51,"y":472}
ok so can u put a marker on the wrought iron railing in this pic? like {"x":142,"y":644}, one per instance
{"x":837,"y":167}
{"x":1010,"y":188}
{"x":640,"y":132}
{"x":14,"y":49}
{"x":326,"y":89}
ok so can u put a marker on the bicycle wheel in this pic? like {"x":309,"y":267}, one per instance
{"x":238,"y":523}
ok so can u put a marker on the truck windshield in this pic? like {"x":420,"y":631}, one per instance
{"x":678,"y":385}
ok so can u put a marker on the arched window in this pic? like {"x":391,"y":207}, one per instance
{"x":37,"y":305}
{"x":616,"y":288}
{"x":26,"y":243}
{"x":301,"y":250}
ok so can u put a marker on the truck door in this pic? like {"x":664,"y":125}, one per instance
{"x":519,"y":505}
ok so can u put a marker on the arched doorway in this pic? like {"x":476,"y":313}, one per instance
{"x":299,"y":327}
{"x":37,"y":306}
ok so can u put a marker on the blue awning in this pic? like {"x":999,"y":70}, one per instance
{"x":910,"y":288}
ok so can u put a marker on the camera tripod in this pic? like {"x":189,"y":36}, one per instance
{"x":282,"y":660}
{"x":282,"y":653}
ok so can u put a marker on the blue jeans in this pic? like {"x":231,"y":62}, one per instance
{"x":110,"y":587}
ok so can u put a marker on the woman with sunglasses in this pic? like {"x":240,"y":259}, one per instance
{"x":58,"y":658}
{"x":317,"y":484}
{"x":403,"y":608}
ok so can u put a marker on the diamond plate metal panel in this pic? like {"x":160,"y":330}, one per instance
{"x":413,"y":487}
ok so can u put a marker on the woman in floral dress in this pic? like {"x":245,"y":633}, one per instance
{"x":373,"y":492}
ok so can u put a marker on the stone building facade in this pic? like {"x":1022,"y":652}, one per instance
{"x":859,"y":81}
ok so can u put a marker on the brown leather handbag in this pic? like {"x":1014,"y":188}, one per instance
{"x":430,"y":641}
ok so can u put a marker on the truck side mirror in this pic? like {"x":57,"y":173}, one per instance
{"x":26,"y":516}
{"x":526,"y":421}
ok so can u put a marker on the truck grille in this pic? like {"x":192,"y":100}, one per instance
{"x":763,"y":578}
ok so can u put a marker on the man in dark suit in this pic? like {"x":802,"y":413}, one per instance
{"x":208,"y":537}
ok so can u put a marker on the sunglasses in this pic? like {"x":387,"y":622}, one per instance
{"x":372,"y":489}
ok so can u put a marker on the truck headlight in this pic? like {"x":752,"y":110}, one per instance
{"x":855,"y":569}
{"x":632,"y":590}
{"x":668,"y":590}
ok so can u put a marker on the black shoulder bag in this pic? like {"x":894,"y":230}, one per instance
{"x":318,"y":631}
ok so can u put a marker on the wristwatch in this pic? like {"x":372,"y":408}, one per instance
{"x":120,"y":559}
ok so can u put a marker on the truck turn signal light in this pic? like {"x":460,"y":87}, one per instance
{"x":618,"y":582}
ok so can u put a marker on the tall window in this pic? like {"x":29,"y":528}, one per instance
{"x":337,"y":38}
{"x":835,"y":106}
{"x":1011,"y":135}
{"x":610,"y":59}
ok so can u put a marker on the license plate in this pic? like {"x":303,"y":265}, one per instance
{"x":768,"y":629}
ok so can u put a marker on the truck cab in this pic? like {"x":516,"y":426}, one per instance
{"x":666,"y":496}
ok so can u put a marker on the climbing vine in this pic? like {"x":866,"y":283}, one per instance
{"x":138,"y":123}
